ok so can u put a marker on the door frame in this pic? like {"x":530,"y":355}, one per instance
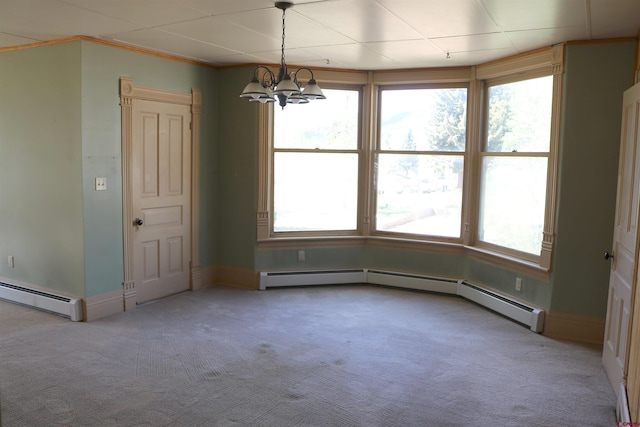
{"x":128,"y":93}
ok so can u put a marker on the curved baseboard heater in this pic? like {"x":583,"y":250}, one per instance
{"x":530,"y":316}
{"x":57,"y":304}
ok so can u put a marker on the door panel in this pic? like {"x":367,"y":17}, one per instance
{"x":632,"y":130}
{"x":161,"y":192}
{"x":625,"y":246}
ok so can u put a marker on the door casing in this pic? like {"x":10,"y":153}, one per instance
{"x":128,"y":92}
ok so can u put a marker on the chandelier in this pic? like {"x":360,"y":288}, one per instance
{"x":266,"y":86}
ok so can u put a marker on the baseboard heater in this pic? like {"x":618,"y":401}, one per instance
{"x":508,"y":307}
{"x":306,"y":278}
{"x":58,"y":304}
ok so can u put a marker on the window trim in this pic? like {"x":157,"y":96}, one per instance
{"x":543,"y":62}
{"x":540,"y":62}
{"x":359,"y":150}
{"x":377,"y":149}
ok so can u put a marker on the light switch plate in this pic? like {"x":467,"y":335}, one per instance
{"x":101,"y":184}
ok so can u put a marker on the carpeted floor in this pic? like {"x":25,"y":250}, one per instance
{"x":321,"y":356}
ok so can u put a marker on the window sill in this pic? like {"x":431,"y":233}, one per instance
{"x":507,"y":262}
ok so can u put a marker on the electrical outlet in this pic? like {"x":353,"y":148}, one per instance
{"x":301,"y":256}
{"x":10,"y":261}
{"x":101,"y":184}
{"x":518,"y":284}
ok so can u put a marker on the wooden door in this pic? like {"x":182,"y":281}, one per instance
{"x":161,"y":198}
{"x":632,"y":109}
{"x":625,"y":247}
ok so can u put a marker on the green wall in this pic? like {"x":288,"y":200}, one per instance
{"x":102,"y":66}
{"x":41,"y":167}
{"x":60,"y":129}
{"x":64,"y":235}
{"x":238,"y":171}
{"x":596,"y":75}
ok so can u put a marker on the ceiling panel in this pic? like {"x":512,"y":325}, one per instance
{"x":19,"y":27}
{"x":473,"y":43}
{"x":412,"y":53}
{"x":479,"y":56}
{"x":7,"y":40}
{"x":292,"y":56}
{"x":61,"y":19}
{"x":443,"y":18}
{"x":374,"y":23}
{"x":527,"y":15}
{"x":220,"y":7}
{"x":160,"y":41}
{"x":299,"y":30}
{"x":217,"y":30}
{"x":146,"y":12}
{"x":359,"y":34}
{"x":534,"y":39}
{"x":354,"y":56}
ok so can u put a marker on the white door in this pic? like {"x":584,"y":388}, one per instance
{"x":625,"y":244}
{"x":161,"y":198}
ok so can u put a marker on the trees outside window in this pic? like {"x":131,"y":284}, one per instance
{"x":514,"y":164}
{"x":316,"y":164}
{"x":420,"y":161}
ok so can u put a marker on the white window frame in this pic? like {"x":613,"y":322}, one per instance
{"x":357,"y":150}
{"x":464,"y":154}
{"x":484,"y":153}
{"x":537,"y":64}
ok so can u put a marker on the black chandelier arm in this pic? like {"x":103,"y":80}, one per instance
{"x":268,"y":78}
{"x":295,"y":73}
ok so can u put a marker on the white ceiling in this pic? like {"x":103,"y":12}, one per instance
{"x":352,"y":34}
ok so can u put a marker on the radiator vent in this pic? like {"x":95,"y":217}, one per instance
{"x":527,"y":315}
{"x":306,"y":278}
{"x":46,"y":301}
{"x":500,"y":297}
{"x":412,"y":281}
{"x":530,"y":316}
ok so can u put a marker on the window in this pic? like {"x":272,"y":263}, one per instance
{"x":421,"y":160}
{"x":316,"y":156}
{"x":514,"y":162}
{"x":461,"y":161}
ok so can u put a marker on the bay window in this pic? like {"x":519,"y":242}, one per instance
{"x":459,"y":160}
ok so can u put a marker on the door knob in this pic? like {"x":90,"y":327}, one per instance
{"x":607,"y":255}
{"x":138,"y":221}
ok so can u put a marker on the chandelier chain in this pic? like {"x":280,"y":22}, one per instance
{"x":283,"y":30}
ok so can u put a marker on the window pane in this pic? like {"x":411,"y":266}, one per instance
{"x":423,"y":119}
{"x":512,"y":203}
{"x":520,"y":116}
{"x":419,"y":194}
{"x":315,"y":191}
{"x":330,"y":123}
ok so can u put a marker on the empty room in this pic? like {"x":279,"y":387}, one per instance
{"x":327,"y":212}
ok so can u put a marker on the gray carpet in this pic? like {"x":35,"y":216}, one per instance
{"x":321,"y":356}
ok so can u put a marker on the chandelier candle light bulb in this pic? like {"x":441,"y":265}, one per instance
{"x":266,"y":87}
